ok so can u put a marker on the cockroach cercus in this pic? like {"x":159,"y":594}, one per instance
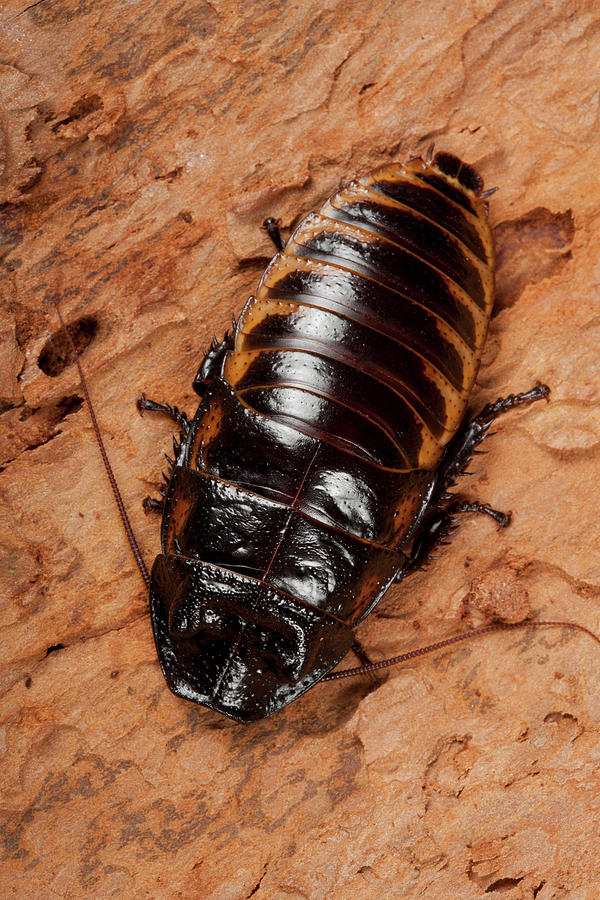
{"x":331,"y":425}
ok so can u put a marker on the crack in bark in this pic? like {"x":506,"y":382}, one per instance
{"x":100,"y":634}
{"x":258,"y":883}
{"x":27,"y":8}
{"x":31,"y":449}
{"x":51,"y":416}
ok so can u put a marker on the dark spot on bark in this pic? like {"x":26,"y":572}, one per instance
{"x":185,"y":216}
{"x":53,"y":648}
{"x":559,"y":717}
{"x":171,"y":175}
{"x":68,"y":405}
{"x":56,"y":353}
{"x":199,"y":19}
{"x":28,"y":682}
{"x":502,"y":884}
{"x":83,"y":107}
{"x":253,"y":262}
{"x":530,"y":249}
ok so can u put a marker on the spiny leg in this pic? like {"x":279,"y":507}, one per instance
{"x":444,"y":509}
{"x":213,"y":360}
{"x":150,"y":504}
{"x":503,"y":519}
{"x":173,"y":412}
{"x":441,"y":523}
{"x":271,"y":226}
{"x":209,"y":369}
{"x":211,"y":364}
{"x":462,"y":447}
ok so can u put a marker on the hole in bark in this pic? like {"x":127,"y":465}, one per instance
{"x":366,"y":86}
{"x":53,"y":648}
{"x":171,"y":175}
{"x":253,"y":262}
{"x":56,"y":354}
{"x":82,"y":108}
{"x":530,"y":249}
{"x":68,"y":405}
{"x":559,"y":717}
{"x":503,"y":884}
{"x":28,"y":682}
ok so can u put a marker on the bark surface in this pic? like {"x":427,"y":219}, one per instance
{"x":141,"y":146}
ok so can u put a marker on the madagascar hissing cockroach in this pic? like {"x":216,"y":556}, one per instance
{"x":332,"y":424}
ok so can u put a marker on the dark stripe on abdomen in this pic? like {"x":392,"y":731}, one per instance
{"x":295,"y":326}
{"x":357,"y":388}
{"x":388,"y":310}
{"x":447,"y":189}
{"x":416,"y":234}
{"x":433,"y":205}
{"x":335,"y":424}
{"x":380,"y":260}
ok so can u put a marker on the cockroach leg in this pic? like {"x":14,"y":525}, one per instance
{"x":460,"y":450}
{"x":441,"y":520}
{"x":173,"y":412}
{"x":271,"y":226}
{"x":152,"y":505}
{"x":503,"y":519}
{"x":440,"y":524}
{"x":213,"y":360}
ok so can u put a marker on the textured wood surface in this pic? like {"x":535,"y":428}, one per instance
{"x":141,"y":146}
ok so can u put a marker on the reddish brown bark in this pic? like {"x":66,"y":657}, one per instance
{"x":142,"y":145}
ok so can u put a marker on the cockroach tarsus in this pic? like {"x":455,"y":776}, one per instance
{"x":332,"y":425}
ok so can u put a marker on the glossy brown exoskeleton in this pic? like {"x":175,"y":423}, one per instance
{"x":315,"y":470}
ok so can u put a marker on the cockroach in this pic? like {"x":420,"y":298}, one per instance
{"x":331,"y":426}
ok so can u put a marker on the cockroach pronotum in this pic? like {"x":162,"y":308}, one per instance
{"x":332,"y":424}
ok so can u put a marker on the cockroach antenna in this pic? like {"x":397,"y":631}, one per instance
{"x":113,"y":482}
{"x":439,"y":645}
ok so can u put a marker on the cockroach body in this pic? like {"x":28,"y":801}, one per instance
{"x":332,"y":423}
